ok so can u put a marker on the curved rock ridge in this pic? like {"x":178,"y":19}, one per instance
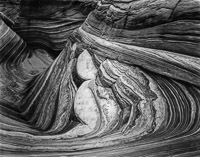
{"x":160,"y":36}
{"x":171,"y":25}
{"x":121,"y":105}
{"x":116,"y":89}
{"x":18,"y":66}
{"x":18,"y":63}
{"x":47,"y":24}
{"x":167,"y":63}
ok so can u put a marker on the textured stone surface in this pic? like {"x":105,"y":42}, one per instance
{"x":48,"y":23}
{"x":120,"y":80}
{"x":85,"y":66}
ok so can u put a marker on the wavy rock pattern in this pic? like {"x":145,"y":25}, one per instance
{"x":169,"y":37}
{"x":116,"y":89}
{"x":18,"y":63}
{"x":47,"y":24}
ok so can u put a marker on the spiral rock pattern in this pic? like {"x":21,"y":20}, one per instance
{"x":126,"y":83}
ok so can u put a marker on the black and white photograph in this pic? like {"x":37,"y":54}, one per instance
{"x":99,"y":78}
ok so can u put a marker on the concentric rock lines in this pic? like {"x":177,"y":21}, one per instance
{"x":100,"y":78}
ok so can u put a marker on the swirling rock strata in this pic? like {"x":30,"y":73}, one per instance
{"x":18,"y":63}
{"x":111,"y":94}
{"x":160,"y":36}
{"x":47,"y":24}
{"x":129,"y":105}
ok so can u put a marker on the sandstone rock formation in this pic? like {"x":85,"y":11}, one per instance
{"x":119,"y":79}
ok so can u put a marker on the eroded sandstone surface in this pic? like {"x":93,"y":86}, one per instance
{"x":100,"y":78}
